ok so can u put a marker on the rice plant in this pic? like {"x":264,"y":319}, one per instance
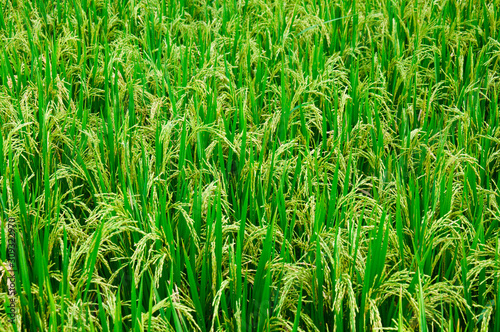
{"x":250,"y":165}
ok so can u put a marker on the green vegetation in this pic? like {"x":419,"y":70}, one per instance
{"x":251,"y":165}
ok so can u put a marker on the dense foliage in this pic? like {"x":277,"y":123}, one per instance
{"x":251,"y":165}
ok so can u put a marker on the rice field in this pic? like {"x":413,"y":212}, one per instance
{"x":250,"y":165}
